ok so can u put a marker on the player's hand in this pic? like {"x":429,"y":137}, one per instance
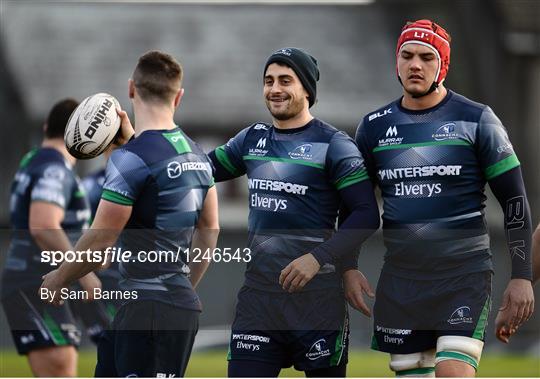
{"x":517,"y":307}
{"x":356,"y":285}
{"x":126,"y":130}
{"x":298,"y":273}
{"x":88,"y":283}
{"x":51,"y":288}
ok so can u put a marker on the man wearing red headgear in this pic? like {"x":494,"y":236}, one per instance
{"x":432,"y":152}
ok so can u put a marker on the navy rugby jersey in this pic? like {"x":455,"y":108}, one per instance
{"x":165,"y":177}
{"x":93,"y":185}
{"x":293,"y":177}
{"x":43,"y":175}
{"x":432,"y":167}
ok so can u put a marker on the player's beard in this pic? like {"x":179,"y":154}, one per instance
{"x":288,"y":112}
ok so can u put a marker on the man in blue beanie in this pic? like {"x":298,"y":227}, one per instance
{"x":292,"y":309}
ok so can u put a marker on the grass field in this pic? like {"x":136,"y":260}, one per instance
{"x":361,"y":363}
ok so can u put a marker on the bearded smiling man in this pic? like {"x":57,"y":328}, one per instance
{"x":291,"y":309}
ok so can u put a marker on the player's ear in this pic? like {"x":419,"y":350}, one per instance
{"x":178,"y":97}
{"x":131,"y":88}
{"x":45,"y":127}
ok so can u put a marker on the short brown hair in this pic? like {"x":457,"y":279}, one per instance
{"x":59,"y":116}
{"x":157,"y":76}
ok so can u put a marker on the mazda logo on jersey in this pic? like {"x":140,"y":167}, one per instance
{"x":174,"y":169}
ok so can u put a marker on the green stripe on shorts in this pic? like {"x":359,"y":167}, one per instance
{"x":482,"y":321}
{"x":56,"y":333}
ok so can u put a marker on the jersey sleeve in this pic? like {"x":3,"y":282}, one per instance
{"x":344,"y":163}
{"x":53,"y":184}
{"x":125,"y":176}
{"x":362,"y":141}
{"x":229,"y":156}
{"x":495,"y":151}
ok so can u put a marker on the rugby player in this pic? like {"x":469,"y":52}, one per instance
{"x":431,"y":152}
{"x":97,"y":315}
{"x":48,"y":211}
{"x":159,"y":190}
{"x":299,"y":168}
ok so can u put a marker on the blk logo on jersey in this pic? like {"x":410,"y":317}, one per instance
{"x":446,"y":132}
{"x":318,"y":350}
{"x":462,"y":315}
{"x":373,"y":116}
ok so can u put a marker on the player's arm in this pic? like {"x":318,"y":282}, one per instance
{"x":206,"y":235}
{"x":109,"y":222}
{"x":346,"y":169}
{"x":502,"y":170}
{"x":518,"y":299}
{"x":227,"y":159}
{"x":362,"y":222}
{"x":536,"y":255}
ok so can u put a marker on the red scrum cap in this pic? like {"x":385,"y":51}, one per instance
{"x":428,"y":33}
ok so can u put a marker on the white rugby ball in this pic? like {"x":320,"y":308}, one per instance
{"x":92,"y":126}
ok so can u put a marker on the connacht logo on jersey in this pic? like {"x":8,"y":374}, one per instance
{"x":302,"y":152}
{"x":318,"y":350}
{"x":446,"y":132}
{"x":391,"y":137}
{"x":259,"y":148}
{"x":460,"y":316}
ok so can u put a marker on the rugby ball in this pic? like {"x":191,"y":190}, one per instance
{"x":92,"y":126}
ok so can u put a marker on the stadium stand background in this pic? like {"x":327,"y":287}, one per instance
{"x":54,"y":49}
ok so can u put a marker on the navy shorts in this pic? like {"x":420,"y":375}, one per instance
{"x":409,"y":315}
{"x":36,"y":324}
{"x":309,"y":330}
{"x":97,"y":315}
{"x":148,"y":339}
